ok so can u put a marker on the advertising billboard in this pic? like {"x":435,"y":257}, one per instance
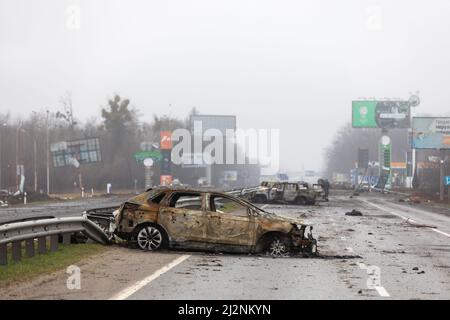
{"x":74,"y":153}
{"x":381,"y":114}
{"x":431,"y":133}
{"x":219,"y":122}
{"x":363,"y":114}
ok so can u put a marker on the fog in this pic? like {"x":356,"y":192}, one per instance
{"x":291,"y":65}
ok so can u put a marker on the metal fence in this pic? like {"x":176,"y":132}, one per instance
{"x":57,"y":230}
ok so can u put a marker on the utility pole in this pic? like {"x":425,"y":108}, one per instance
{"x":47,"y":154}
{"x":1,"y":162}
{"x":441,"y":176}
{"x":19,"y":126}
{"x":35,"y":164}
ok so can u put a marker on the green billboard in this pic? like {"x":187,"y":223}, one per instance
{"x":363,"y":114}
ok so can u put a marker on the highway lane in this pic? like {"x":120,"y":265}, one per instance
{"x":375,"y":256}
{"x":58,"y":208}
{"x":378,"y":255}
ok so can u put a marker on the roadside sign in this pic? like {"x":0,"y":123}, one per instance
{"x":148,"y":162}
{"x":165,"y":180}
{"x":142,"y":155}
{"x":230,"y":175}
{"x":447,"y":180}
{"x":431,"y":133}
{"x":166,"y":140}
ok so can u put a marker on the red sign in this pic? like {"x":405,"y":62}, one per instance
{"x":166,"y":140}
{"x":165,"y":180}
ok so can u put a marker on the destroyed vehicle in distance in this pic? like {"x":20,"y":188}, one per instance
{"x":287,"y":192}
{"x":208,"y":221}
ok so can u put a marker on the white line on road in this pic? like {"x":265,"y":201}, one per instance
{"x":404,"y":218}
{"x":382,"y":292}
{"x":125,"y":293}
{"x":441,"y":232}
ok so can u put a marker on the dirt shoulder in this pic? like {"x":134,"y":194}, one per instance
{"x":101,"y":276}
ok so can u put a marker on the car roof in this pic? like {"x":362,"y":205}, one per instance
{"x":184,"y":189}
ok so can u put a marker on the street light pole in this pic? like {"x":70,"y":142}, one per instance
{"x":35,"y":164}
{"x":19,"y":126}
{"x":47,"y":154}
{"x":1,"y":162}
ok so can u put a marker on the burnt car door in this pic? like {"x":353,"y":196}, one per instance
{"x":183,"y":217}
{"x":276,"y":192}
{"x":290,"y":192}
{"x":229,"y":221}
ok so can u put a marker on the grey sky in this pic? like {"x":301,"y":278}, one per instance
{"x":292,"y":65}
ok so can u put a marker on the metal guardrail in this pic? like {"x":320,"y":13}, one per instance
{"x":57,"y":229}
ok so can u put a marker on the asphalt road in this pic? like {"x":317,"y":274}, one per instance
{"x":58,"y":208}
{"x":390,"y":252}
{"x":379,"y":255}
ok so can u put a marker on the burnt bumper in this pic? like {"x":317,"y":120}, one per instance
{"x":303,"y":240}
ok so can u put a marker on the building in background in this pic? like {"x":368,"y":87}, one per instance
{"x":196,"y":172}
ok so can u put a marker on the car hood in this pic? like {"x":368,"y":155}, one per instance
{"x":281,"y":218}
{"x":139,"y":199}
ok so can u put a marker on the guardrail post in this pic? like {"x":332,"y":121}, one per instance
{"x":54,"y":243}
{"x":42,"y":245}
{"x":3,"y":254}
{"x":17,"y":250}
{"x":29,"y":248}
{"x":66,"y":238}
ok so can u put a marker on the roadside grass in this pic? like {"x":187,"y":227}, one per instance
{"x":29,"y":268}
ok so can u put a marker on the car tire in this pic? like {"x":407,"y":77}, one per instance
{"x":278,"y":246}
{"x":150,"y":237}
{"x":260,"y":199}
{"x":301,"y":201}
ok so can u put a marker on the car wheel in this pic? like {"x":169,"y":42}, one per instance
{"x":278,"y":247}
{"x":260,"y":199}
{"x":149,"y":238}
{"x":301,"y":201}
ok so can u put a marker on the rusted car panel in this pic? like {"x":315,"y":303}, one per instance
{"x":206,"y":220}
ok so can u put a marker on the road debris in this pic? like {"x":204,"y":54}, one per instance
{"x":354,"y":213}
{"x":412,"y":223}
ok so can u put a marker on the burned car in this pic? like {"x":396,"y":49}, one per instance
{"x":208,"y":221}
{"x":286,"y":192}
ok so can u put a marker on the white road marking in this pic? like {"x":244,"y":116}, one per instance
{"x":441,"y":232}
{"x":264,"y":206}
{"x":404,"y":218}
{"x":125,"y":293}
{"x":382,"y":292}
{"x":349,"y":249}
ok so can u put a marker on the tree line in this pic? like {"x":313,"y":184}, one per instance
{"x":26,"y":141}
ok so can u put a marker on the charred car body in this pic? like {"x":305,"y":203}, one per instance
{"x":300,"y":193}
{"x":208,"y":221}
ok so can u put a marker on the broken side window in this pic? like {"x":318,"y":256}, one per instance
{"x":227,"y":205}
{"x":190,"y":201}
{"x":158,"y":198}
